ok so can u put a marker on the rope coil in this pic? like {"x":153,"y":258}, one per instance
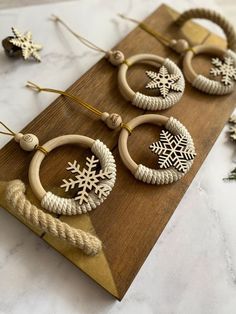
{"x":19,"y":204}
{"x":213,"y":16}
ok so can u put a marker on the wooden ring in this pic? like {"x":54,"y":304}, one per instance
{"x":98,"y":148}
{"x":171,"y":124}
{"x":149,"y":102}
{"x":201,"y":82}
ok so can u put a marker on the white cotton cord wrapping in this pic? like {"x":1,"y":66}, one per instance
{"x":213,"y":87}
{"x":68,"y":206}
{"x":159,"y":103}
{"x":166,"y":176}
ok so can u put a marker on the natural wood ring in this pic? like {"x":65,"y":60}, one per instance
{"x":194,"y":78}
{"x":124,"y":134}
{"x":189,"y":72}
{"x":34,"y":168}
{"x":151,"y":102}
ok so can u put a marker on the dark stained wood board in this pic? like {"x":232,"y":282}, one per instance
{"x":130,"y":221}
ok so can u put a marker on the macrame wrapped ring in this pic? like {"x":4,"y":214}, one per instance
{"x":150,"y":102}
{"x":201,"y":82}
{"x":69,"y":206}
{"x":143,"y":173}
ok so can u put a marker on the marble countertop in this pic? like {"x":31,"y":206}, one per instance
{"x":192,"y":268}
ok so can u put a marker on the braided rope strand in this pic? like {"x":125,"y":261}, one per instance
{"x":215,"y":17}
{"x":15,"y":196}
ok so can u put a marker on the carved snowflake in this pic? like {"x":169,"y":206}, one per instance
{"x":232,"y":119}
{"x":173,"y":151}
{"x":232,"y":128}
{"x":232,"y":131}
{"x":224,"y":68}
{"x":87,"y":180}
{"x":24,"y":41}
{"x":163,"y":81}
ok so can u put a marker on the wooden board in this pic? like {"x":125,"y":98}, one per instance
{"x":131,"y":220}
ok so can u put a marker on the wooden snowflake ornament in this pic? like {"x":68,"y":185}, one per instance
{"x":93,"y":186}
{"x":28,"y":47}
{"x":225,"y":68}
{"x":173,"y":151}
{"x":178,"y":150}
{"x":169,"y":81}
{"x":163,"y":81}
{"x":232,"y":128}
{"x":86,"y":180}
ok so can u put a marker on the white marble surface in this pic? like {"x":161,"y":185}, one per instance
{"x":192,"y":268}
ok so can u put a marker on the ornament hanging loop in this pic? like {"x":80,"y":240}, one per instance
{"x":82,"y":39}
{"x":10,"y":132}
{"x":28,"y":142}
{"x":115,"y":57}
{"x":113,"y":120}
{"x":178,"y":45}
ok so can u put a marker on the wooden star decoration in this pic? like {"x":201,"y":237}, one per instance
{"x":28,"y":47}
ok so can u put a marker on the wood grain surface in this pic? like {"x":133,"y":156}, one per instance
{"x":130,"y":221}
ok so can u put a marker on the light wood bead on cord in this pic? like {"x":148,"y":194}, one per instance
{"x":68,"y":206}
{"x":19,"y":204}
{"x":144,"y":101}
{"x":143,"y":173}
{"x":201,"y":82}
{"x":213,"y":16}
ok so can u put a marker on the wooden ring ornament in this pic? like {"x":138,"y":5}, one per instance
{"x":201,"y":82}
{"x":68,"y":206}
{"x":144,"y":101}
{"x":143,"y":173}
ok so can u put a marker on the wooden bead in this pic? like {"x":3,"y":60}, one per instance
{"x":28,"y":142}
{"x":113,"y":121}
{"x":104,"y":116}
{"x":18,"y":136}
{"x":115,"y":57}
{"x":180,"y":45}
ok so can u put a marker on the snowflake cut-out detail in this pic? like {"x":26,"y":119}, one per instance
{"x":28,"y":47}
{"x":87,"y":180}
{"x":232,"y":131}
{"x":232,"y":128}
{"x":163,"y":81}
{"x":173,"y":151}
{"x":225,"y":68}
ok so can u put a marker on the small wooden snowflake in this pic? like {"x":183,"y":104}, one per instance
{"x":87,"y":180}
{"x":232,"y":128}
{"x":163,"y":81}
{"x":225,"y":68}
{"x":173,"y":151}
{"x":28,"y":47}
{"x":232,"y":119}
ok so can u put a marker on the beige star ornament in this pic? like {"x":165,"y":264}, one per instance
{"x":28,"y":47}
